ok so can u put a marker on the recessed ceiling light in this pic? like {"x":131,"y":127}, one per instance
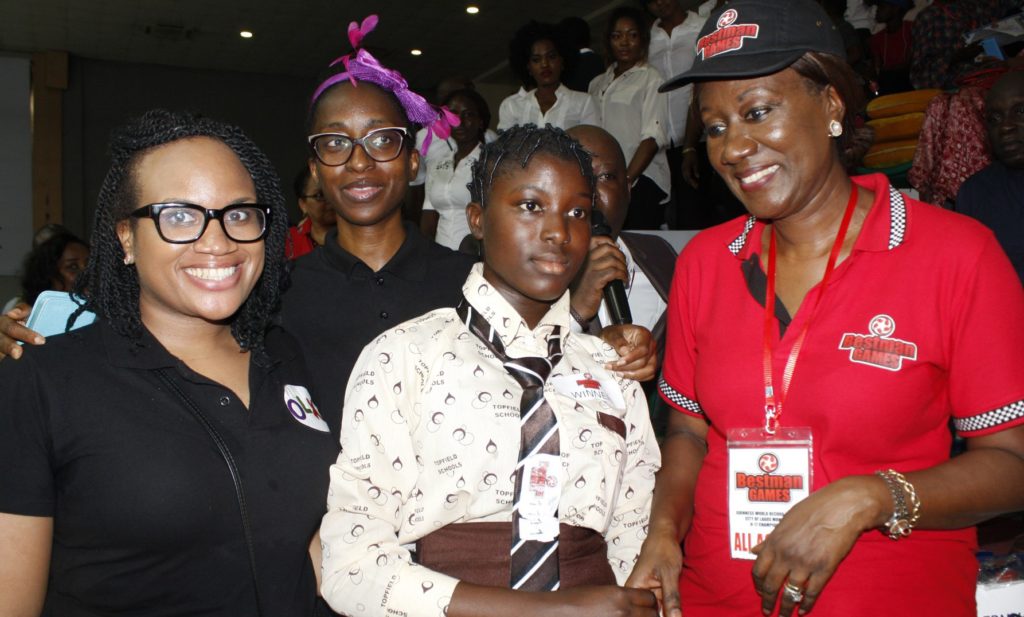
{"x":416,"y":52}
{"x":472,"y":9}
{"x":245,"y":34}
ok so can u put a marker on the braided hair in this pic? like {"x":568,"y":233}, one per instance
{"x":111,"y":289}
{"x":517,"y":146}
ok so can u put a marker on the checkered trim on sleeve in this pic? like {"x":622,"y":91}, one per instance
{"x":678,"y":399}
{"x":737,"y":245}
{"x":990,"y":419}
{"x":897,"y":218}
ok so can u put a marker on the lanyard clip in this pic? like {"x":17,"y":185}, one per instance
{"x":771,"y":419}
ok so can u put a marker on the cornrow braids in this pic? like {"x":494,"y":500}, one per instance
{"x":111,"y":289}
{"x":517,"y":146}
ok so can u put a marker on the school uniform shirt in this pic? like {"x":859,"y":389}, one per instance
{"x":432,"y":438}
{"x":673,"y":54}
{"x":920,"y":325}
{"x":447,"y":193}
{"x":571,"y":108}
{"x":143,"y":505}
{"x":337,"y":304}
{"x":631,"y":109}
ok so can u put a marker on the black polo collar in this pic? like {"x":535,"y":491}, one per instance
{"x":407,"y":263}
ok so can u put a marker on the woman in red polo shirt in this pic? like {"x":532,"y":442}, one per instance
{"x":817,"y":352}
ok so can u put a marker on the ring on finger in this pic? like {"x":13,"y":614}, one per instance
{"x":794,"y":593}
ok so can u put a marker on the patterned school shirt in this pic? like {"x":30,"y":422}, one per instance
{"x":431,"y":437}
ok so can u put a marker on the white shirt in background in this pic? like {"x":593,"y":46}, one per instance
{"x":674,"y":54}
{"x":438,"y":146}
{"x":631,"y":109}
{"x":571,"y":108}
{"x":446,"y":193}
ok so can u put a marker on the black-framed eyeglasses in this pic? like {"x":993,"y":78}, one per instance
{"x":381,"y":145}
{"x":181,"y":223}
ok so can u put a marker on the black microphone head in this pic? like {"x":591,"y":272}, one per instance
{"x":599,"y":224}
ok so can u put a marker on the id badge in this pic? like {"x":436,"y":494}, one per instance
{"x":768,"y":475}
{"x":538,"y":497}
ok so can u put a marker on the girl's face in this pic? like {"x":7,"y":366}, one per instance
{"x":470,"y":129}
{"x":627,"y":44}
{"x":362,"y":192}
{"x":545,"y":64}
{"x":535,"y":225}
{"x":210,"y":278}
{"x":71,"y":263}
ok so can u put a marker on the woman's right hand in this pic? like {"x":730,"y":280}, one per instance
{"x":657,"y":569}
{"x":12,"y":331}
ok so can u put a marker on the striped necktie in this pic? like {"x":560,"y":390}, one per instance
{"x":534,"y":563}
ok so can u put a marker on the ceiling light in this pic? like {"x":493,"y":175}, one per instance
{"x":472,"y":9}
{"x":245,"y":34}
{"x":416,"y":52}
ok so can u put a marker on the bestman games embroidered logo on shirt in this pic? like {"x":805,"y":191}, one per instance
{"x":879,"y":348}
{"x":728,"y":37}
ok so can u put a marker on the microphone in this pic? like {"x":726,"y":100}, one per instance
{"x":614,"y":292}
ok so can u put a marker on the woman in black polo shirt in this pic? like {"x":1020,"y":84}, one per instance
{"x":168,"y":459}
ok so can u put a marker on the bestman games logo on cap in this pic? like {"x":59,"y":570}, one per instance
{"x":879,"y":349}
{"x":728,"y":37}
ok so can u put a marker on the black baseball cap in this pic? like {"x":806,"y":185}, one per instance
{"x":747,"y":38}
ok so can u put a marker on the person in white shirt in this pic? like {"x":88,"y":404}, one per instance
{"x":631,"y":109}
{"x":673,"y":48}
{"x":536,"y":57}
{"x":448,"y":172}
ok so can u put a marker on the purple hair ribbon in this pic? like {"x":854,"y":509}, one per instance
{"x":364,"y":67}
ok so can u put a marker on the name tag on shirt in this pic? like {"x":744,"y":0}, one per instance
{"x":587,"y":387}
{"x":300,"y":405}
{"x":539,"y":496}
{"x":768,"y":475}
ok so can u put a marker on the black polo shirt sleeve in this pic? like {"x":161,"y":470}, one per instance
{"x":27,"y":479}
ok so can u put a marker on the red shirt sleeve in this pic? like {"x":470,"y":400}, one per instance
{"x":986,"y":375}
{"x":677,"y":382}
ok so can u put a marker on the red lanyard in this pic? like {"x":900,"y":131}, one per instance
{"x":773,"y":405}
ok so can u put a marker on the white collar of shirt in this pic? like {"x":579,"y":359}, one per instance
{"x":530,"y":96}
{"x":517,"y":337}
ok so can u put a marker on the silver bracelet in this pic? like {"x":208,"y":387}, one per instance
{"x":902,"y":522}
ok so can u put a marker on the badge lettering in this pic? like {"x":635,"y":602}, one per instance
{"x":879,"y":349}
{"x":728,"y":36}
{"x":300,"y":405}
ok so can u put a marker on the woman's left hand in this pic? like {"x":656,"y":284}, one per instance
{"x":637,"y":349}
{"x":812,"y":539}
